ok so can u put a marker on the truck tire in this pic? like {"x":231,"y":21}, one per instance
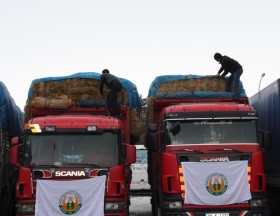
{"x":156,"y":208}
{"x":4,"y":201}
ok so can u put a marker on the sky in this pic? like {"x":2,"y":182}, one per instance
{"x":136,"y":39}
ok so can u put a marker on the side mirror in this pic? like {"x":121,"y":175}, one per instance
{"x":153,"y":128}
{"x":265,"y":139}
{"x":130,"y":153}
{"x":14,"y":151}
{"x":152,"y":138}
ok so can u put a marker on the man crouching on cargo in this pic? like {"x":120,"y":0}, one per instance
{"x":230,"y":65}
{"x":115,"y":86}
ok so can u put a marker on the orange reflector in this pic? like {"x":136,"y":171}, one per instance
{"x":249,"y":168}
{"x":180,"y":170}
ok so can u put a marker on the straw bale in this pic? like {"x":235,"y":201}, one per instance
{"x":135,"y":123}
{"x":150,"y":110}
{"x":61,"y":102}
{"x":27,"y":111}
{"x":213,"y":84}
{"x":39,"y":102}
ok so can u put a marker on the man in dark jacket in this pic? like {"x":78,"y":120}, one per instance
{"x":112,"y":83}
{"x":230,"y":65}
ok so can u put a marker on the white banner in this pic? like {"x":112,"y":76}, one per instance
{"x":216,"y":183}
{"x":80,"y":197}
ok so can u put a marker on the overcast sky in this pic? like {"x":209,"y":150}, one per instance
{"x":136,"y":39}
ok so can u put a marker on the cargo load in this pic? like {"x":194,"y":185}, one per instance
{"x":189,"y":87}
{"x":11,"y":118}
{"x":82,"y":90}
{"x":10,"y":113}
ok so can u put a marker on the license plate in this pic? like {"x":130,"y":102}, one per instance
{"x":217,"y":214}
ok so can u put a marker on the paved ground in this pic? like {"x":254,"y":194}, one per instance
{"x":140,"y":205}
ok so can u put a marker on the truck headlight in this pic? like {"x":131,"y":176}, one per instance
{"x":26,"y":208}
{"x":113,"y":206}
{"x":172,"y":204}
{"x":256,"y":203}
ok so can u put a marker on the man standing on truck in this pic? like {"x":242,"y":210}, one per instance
{"x":230,"y":65}
{"x":115,"y":86}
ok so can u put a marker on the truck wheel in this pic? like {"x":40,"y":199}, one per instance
{"x":156,"y":210}
{"x":159,"y":211}
{"x":153,"y":207}
{"x":11,"y":192}
{"x":4,"y":201}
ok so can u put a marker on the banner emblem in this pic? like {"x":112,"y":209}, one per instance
{"x":70,"y":202}
{"x":216,"y":184}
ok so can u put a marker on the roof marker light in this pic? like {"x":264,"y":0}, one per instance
{"x":92,"y":128}
{"x":50,"y":129}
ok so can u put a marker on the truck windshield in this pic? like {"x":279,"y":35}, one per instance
{"x":210,"y":131}
{"x":100,"y":150}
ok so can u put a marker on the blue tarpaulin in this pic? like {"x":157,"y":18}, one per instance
{"x":134,"y":100}
{"x":11,"y":116}
{"x":267,"y":103}
{"x":196,"y":94}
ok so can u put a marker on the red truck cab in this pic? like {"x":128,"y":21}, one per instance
{"x":203,"y":131}
{"x":72,"y":144}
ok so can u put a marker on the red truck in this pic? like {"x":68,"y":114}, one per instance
{"x":75,"y":143}
{"x":204,"y":153}
{"x":10,"y":130}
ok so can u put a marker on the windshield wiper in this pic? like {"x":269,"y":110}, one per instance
{"x":54,"y":147}
{"x":44,"y":165}
{"x":226,"y":149}
{"x":82,"y":164}
{"x":191,"y":150}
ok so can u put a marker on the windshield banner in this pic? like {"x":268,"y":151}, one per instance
{"x":216,"y":183}
{"x":79,"y":197}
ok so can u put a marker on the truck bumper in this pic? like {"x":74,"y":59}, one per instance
{"x":217,"y":213}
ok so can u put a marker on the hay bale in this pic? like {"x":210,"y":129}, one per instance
{"x":61,"y":102}
{"x":213,"y":84}
{"x":150,"y":110}
{"x":39,"y":102}
{"x":135,"y":123}
{"x":69,"y":92}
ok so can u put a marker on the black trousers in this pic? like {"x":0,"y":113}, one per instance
{"x":112,"y":99}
